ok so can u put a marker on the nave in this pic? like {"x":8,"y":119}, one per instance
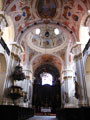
{"x":43,"y":118}
{"x":44,"y":59}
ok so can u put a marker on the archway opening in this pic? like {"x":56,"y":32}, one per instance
{"x":46,"y":89}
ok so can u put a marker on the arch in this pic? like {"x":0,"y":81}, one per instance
{"x":53,"y":55}
{"x":3,"y":68}
{"x":60,"y":60}
{"x":46,"y":90}
{"x":7,"y":28}
{"x":48,"y":54}
{"x":84,"y":28}
{"x":38,"y":23}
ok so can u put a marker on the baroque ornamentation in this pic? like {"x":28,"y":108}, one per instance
{"x":3,"y":23}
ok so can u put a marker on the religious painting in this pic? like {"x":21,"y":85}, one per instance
{"x":46,"y":8}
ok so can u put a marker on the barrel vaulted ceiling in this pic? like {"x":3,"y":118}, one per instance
{"x":45,"y":14}
{"x":67,"y":12}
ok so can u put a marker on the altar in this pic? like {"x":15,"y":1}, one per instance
{"x":45,"y":110}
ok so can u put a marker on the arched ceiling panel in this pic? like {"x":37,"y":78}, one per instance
{"x":47,"y":59}
{"x":49,"y":38}
{"x":69,"y":13}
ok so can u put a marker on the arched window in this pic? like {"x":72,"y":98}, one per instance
{"x":47,"y":78}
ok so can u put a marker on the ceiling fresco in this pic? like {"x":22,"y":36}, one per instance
{"x":46,"y":8}
{"x":67,"y":12}
{"x":47,"y":37}
{"x":47,"y":59}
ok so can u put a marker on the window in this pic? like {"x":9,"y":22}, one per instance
{"x":37,"y":31}
{"x":47,"y":78}
{"x":56,"y":31}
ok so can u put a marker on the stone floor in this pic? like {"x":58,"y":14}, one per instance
{"x":43,"y":118}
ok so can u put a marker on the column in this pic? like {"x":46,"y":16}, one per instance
{"x":80,"y":75}
{"x":69,"y":89}
{"x":14,"y":60}
{"x":31,"y":86}
{"x":27,"y":84}
{"x":26,"y":90}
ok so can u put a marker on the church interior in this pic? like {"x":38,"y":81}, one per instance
{"x":44,"y":59}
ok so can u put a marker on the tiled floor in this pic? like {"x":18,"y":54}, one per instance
{"x":43,"y":118}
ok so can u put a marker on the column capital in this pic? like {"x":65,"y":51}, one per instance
{"x":78,"y":57}
{"x":16,"y":45}
{"x":27,"y":73}
{"x":67,"y":74}
{"x":76,"y":50}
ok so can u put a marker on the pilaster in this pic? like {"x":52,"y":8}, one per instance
{"x":69,"y":89}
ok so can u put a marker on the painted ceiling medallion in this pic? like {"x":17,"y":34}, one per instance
{"x":46,"y":8}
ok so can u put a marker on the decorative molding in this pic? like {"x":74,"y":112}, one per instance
{"x":3,"y":23}
{"x":3,"y":18}
{"x":16,"y":57}
{"x":67,"y":70}
{"x":43,"y":50}
{"x":76,"y":49}
{"x":78,"y":57}
{"x":88,"y":17}
{"x":27,"y":77}
{"x":67,"y":77}
{"x":17,"y":46}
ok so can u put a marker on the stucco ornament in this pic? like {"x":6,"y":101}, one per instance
{"x":3,"y":23}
